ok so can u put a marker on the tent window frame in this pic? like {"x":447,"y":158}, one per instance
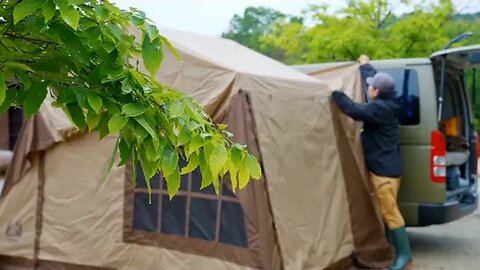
{"x":238,"y":254}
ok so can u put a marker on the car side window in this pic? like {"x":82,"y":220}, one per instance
{"x":406,"y":82}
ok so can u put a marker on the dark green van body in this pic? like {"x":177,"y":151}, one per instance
{"x":422,"y":201}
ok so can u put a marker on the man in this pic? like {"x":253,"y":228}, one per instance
{"x":381,"y":143}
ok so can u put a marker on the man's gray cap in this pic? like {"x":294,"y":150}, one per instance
{"x":383,"y":81}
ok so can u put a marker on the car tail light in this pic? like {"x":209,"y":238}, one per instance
{"x":438,"y":167}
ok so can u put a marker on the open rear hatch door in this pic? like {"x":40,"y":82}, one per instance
{"x":463,"y":58}
{"x":467,"y":57}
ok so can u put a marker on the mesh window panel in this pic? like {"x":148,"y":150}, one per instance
{"x":197,"y":182}
{"x":226,"y":191}
{"x":145,"y":215}
{"x":155,"y":181}
{"x":232,"y":226}
{"x":203,"y":215}
{"x":173,"y":215}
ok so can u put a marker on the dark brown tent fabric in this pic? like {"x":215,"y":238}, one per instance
{"x":254,"y":199}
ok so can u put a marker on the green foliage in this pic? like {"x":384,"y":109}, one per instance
{"x":360,"y":27}
{"x":253,"y":25}
{"x":78,"y":52}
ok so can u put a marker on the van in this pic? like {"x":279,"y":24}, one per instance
{"x":438,"y":138}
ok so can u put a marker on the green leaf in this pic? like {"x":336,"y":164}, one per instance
{"x":253,"y":167}
{"x":72,"y":43}
{"x":192,"y":164}
{"x":3,"y":88}
{"x":195,"y":144}
{"x":27,"y":83}
{"x":133,"y":109}
{"x":18,"y":65}
{"x":34,"y":99}
{"x":233,"y":171}
{"x":9,"y":99}
{"x":176,"y":109}
{"x":101,"y":13}
{"x":92,"y":120}
{"x":95,"y":101}
{"x":77,"y":2}
{"x":103,"y":127}
{"x":218,"y":158}
{"x":243,"y":174}
{"x":152,"y":54}
{"x":112,"y":159}
{"x":81,"y":97}
{"x":138,"y":77}
{"x":207,"y":177}
{"x":152,"y":31}
{"x":134,"y":169}
{"x":127,"y":86}
{"x":146,"y":126}
{"x":112,"y":108}
{"x":25,"y":8}
{"x":128,"y":134}
{"x":125,"y":152}
{"x":140,"y":133}
{"x":236,"y":155}
{"x":48,"y":10}
{"x":172,"y":49}
{"x":152,"y":154}
{"x":76,"y":114}
{"x":116,"y":123}
{"x":169,"y":160}
{"x":173,"y":183}
{"x":69,"y":14}
{"x":183,"y":137}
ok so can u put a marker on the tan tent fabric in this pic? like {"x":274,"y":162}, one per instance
{"x":300,"y":216}
{"x":371,"y":245}
{"x":5,"y":160}
{"x":48,"y":127}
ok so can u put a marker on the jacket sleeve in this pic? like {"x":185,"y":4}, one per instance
{"x":359,"y":112}
{"x":367,"y":70}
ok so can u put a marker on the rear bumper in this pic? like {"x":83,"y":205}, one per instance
{"x":431,"y":214}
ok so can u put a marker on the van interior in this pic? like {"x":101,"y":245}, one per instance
{"x":456,"y":124}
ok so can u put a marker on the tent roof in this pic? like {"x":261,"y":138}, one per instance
{"x":231,"y":55}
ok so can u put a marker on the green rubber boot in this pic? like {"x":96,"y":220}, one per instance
{"x":402,"y":247}
{"x":390,"y":238}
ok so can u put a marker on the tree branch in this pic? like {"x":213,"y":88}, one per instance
{"x":35,"y":41}
{"x":384,"y":20}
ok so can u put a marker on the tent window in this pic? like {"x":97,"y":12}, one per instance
{"x":193,"y":213}
{"x":406,"y":82}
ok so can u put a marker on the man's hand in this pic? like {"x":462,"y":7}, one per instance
{"x":363,"y":59}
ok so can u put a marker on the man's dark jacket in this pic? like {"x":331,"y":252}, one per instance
{"x":381,"y":130}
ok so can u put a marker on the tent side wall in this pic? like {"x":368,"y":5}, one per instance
{"x":83,"y":215}
{"x":304,"y":176}
{"x":371,"y":246}
{"x":18,"y":215}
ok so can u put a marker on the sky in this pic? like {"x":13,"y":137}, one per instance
{"x":212,"y":17}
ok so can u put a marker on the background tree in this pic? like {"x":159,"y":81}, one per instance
{"x":254,"y":24}
{"x":79,"y":52}
{"x":370,"y":27}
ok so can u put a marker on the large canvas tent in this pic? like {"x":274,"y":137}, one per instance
{"x":313,"y":208}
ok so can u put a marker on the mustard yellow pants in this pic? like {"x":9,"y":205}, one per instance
{"x":387,"y":190}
